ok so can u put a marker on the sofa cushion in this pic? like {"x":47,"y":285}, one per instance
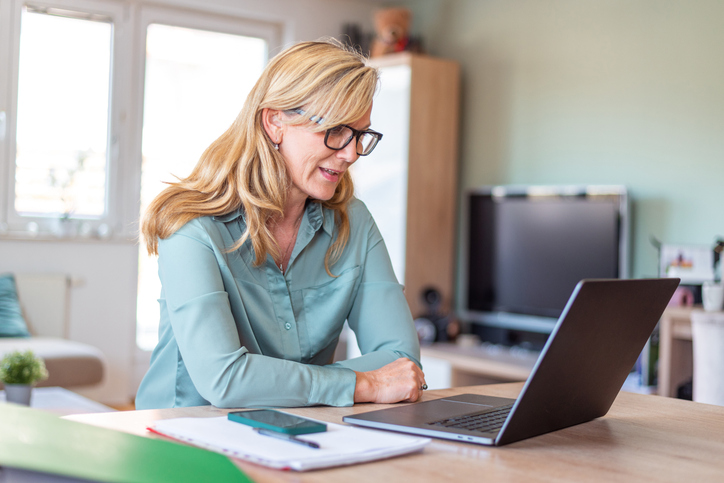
{"x":12,"y":323}
{"x":69,"y":363}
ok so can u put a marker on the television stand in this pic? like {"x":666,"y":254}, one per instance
{"x":451,"y":365}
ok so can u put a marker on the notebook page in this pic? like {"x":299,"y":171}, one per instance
{"x":339,"y":445}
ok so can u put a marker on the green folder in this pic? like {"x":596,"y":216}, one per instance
{"x":38,"y":441}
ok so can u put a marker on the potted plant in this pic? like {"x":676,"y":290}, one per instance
{"x":19,"y":371}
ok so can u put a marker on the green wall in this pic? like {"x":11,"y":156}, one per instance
{"x":594,"y":91}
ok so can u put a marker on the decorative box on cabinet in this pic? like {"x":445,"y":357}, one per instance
{"x":409,"y":183}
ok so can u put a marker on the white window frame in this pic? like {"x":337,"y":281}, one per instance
{"x":271,"y":32}
{"x":123,"y":171}
{"x":13,"y":224}
{"x":147,"y":15}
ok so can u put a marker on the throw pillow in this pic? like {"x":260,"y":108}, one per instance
{"x":12,"y":323}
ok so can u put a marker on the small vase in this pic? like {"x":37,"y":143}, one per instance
{"x":18,"y":393}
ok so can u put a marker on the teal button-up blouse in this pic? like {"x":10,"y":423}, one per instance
{"x":235,"y":335}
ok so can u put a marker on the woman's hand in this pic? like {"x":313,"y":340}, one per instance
{"x":398,"y":381}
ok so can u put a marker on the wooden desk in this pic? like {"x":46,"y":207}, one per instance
{"x":643,"y":438}
{"x":676,"y":348}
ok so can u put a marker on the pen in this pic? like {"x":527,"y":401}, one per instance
{"x":286,"y":437}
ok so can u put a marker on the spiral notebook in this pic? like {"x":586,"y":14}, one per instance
{"x":339,"y":445}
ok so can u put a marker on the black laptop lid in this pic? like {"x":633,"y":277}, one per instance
{"x":589,"y":354}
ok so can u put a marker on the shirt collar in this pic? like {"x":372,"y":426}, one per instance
{"x":229,"y":216}
{"x":320,"y":217}
{"x":317,"y":215}
{"x":328,"y":220}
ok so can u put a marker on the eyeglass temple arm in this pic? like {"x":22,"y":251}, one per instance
{"x":313,"y":118}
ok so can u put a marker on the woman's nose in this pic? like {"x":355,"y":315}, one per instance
{"x":349,"y":152}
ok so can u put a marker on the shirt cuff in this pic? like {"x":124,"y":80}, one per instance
{"x":333,"y":386}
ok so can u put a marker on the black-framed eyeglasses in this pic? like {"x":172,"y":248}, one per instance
{"x":338,"y":137}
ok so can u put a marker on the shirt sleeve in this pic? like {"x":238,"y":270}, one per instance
{"x":224,"y":372}
{"x":380,"y":316}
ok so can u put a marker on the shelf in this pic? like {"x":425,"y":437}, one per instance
{"x":492,"y":362}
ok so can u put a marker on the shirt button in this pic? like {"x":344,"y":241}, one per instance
{"x":288,"y":325}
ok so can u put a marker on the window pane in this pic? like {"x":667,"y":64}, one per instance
{"x":196,"y":83}
{"x":63,"y":110}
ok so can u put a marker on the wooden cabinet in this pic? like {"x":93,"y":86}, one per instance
{"x":410,"y":182}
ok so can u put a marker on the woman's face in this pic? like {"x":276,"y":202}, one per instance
{"x":315,"y":169}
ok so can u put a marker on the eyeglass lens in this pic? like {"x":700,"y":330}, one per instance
{"x":338,"y":137}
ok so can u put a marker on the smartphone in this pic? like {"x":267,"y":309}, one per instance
{"x":277,"y":421}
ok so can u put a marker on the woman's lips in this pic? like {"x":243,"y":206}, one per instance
{"x":330,"y":174}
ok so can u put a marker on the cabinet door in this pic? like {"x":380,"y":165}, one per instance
{"x":381,"y":178}
{"x":409,"y":183}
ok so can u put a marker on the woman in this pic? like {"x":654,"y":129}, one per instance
{"x":264,"y":253}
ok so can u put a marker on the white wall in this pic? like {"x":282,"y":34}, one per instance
{"x":103,"y":300}
{"x":302,"y":19}
{"x":595,"y":91}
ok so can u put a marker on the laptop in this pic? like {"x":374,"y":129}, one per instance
{"x":583,"y":365}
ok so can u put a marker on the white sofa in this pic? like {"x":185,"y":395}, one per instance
{"x":44,"y":302}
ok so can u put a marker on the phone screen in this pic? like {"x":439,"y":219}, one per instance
{"x":277,"y":421}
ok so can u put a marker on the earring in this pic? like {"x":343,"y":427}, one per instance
{"x":276,"y":146}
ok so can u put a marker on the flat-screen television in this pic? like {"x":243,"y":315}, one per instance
{"x":528,"y":247}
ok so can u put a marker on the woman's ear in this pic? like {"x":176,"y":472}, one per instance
{"x":272,"y":122}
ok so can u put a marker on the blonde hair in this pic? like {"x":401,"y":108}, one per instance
{"x":241,"y":169}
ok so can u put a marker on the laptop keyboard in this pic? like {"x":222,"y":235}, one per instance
{"x":485,"y":422}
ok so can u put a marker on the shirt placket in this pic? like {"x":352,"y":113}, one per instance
{"x":288,"y":329}
{"x":280,"y":287}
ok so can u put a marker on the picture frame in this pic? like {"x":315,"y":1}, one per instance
{"x":693,"y":264}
